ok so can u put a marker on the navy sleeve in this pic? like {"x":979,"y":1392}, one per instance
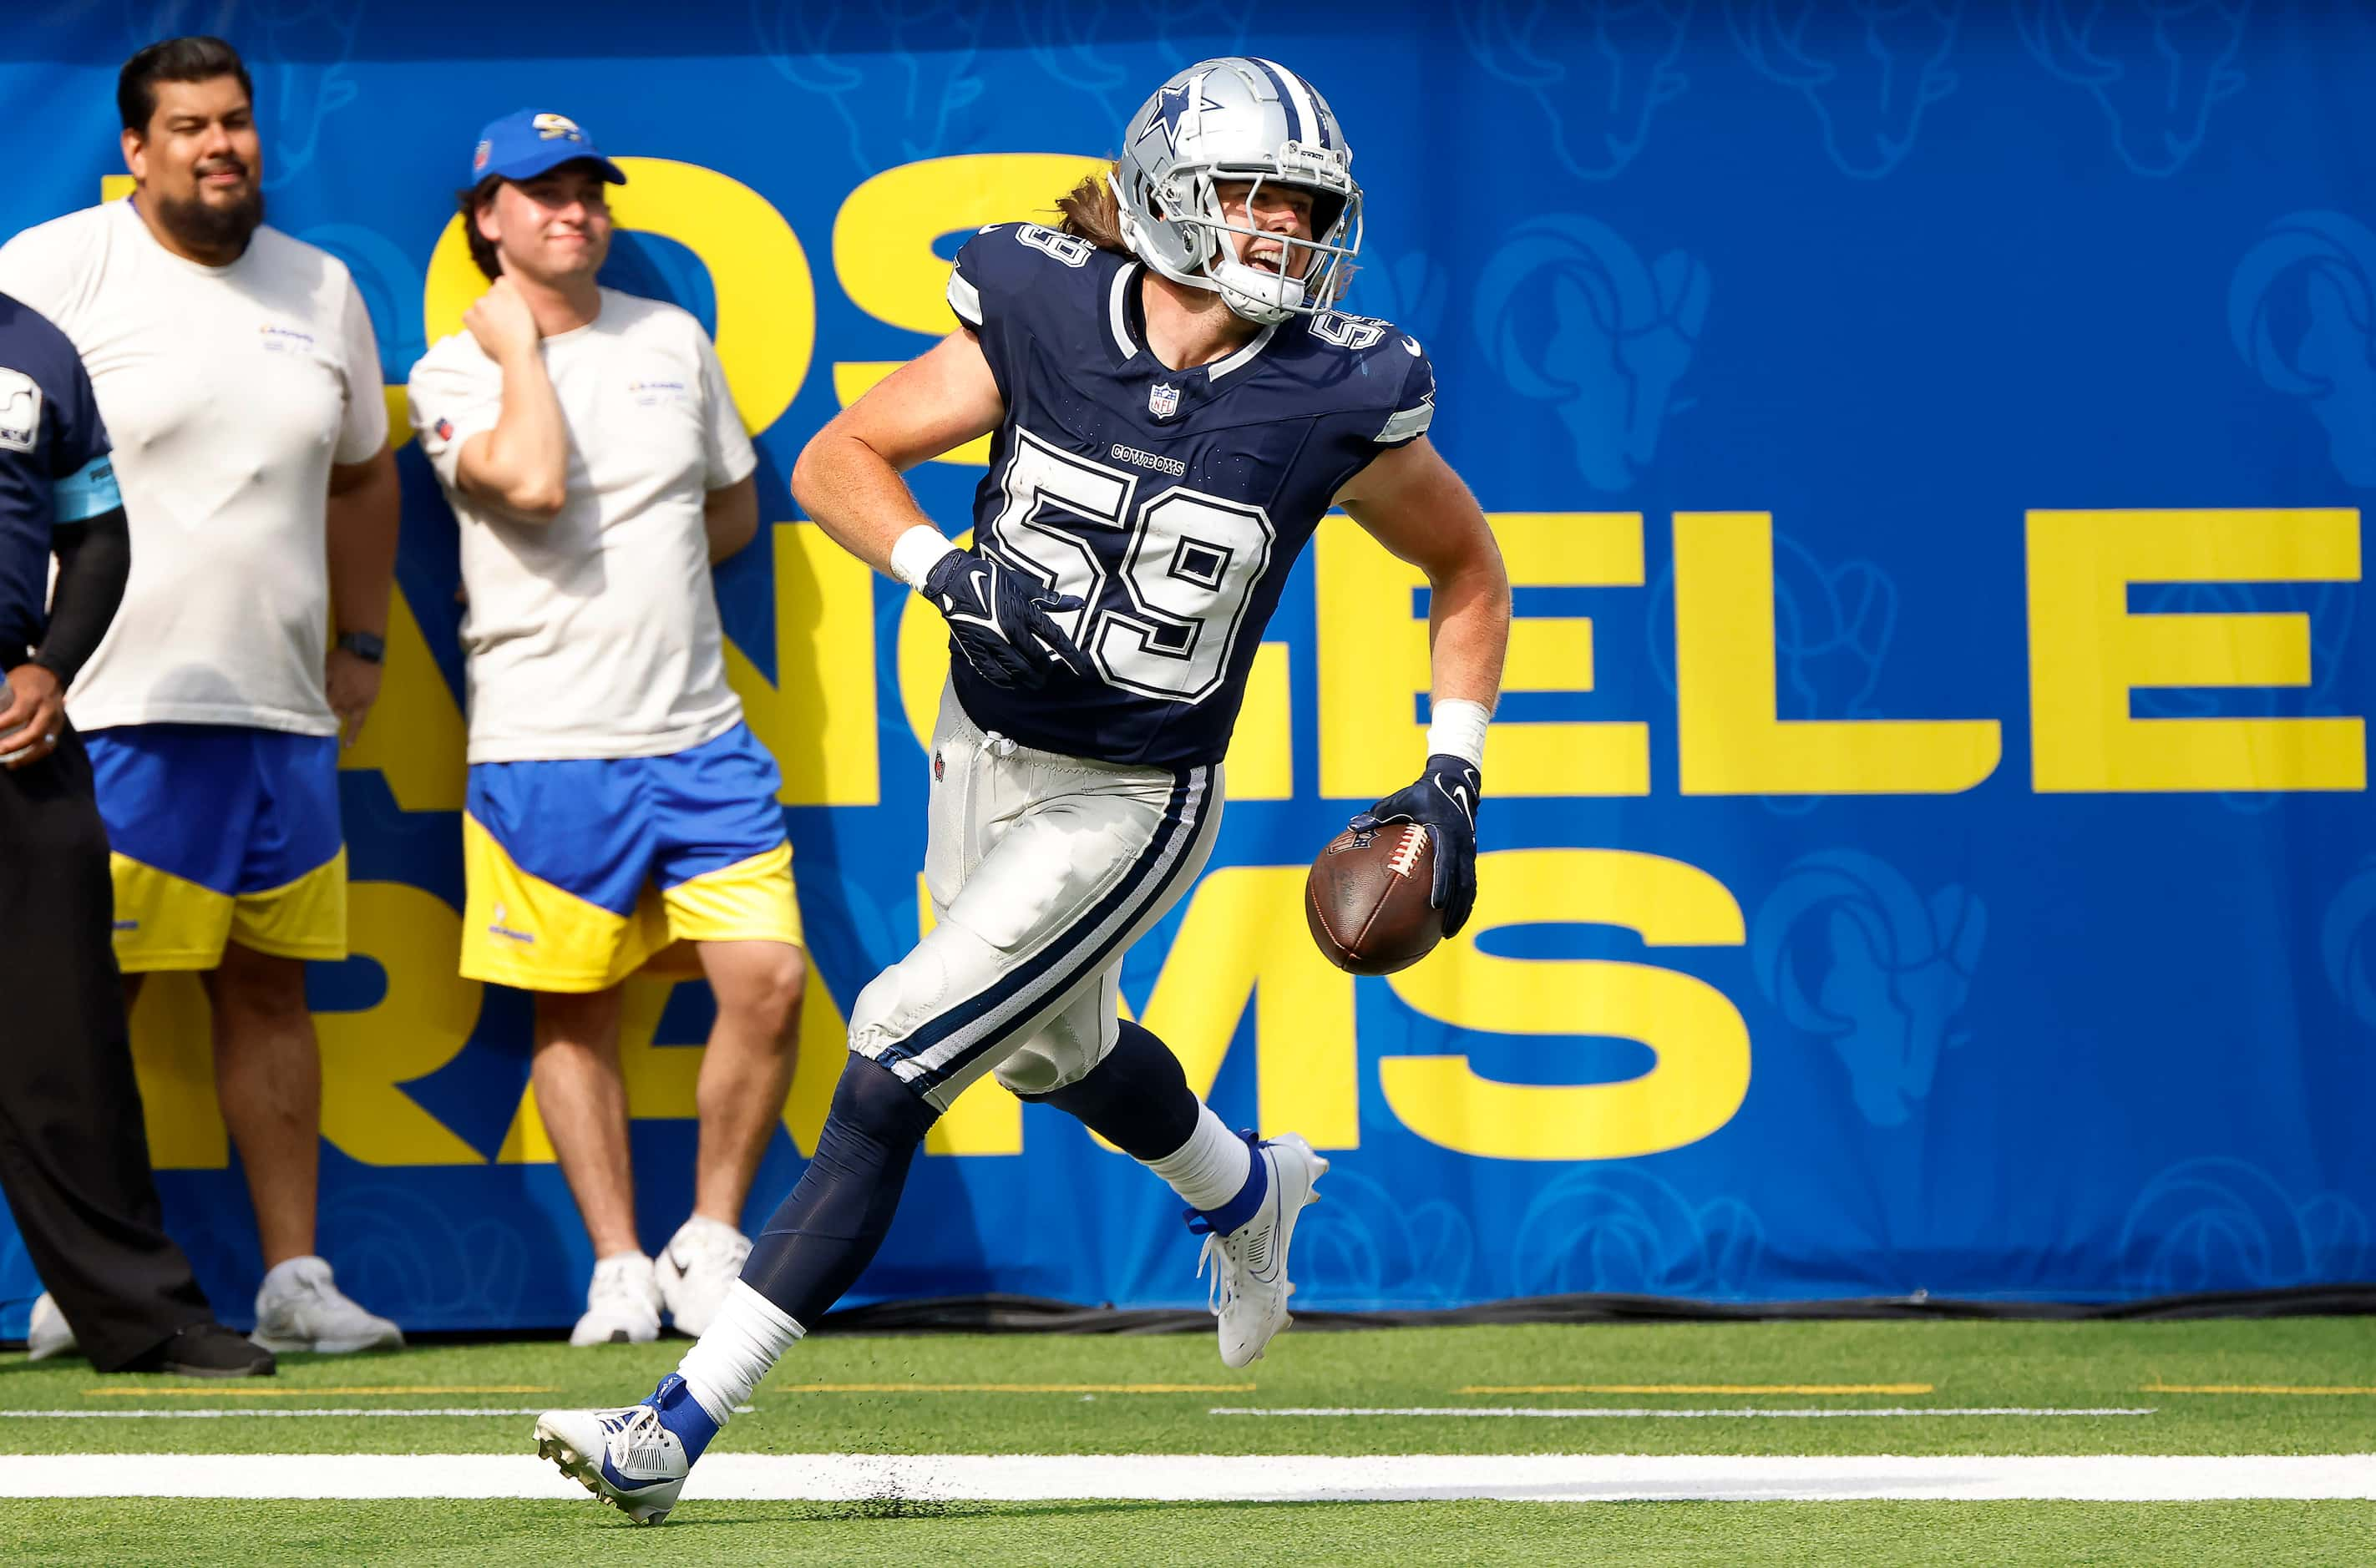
{"x":1010,"y":277}
{"x":1414,"y":410}
{"x":979,"y":295}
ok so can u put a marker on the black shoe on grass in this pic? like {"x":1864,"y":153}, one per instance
{"x":208,"y":1349}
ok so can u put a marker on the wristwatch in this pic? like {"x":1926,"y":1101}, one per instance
{"x":369,"y":646}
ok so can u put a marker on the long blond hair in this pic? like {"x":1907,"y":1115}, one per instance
{"x":1091,"y":212}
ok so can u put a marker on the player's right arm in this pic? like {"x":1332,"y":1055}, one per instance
{"x":847,"y":480}
{"x":522,"y":464}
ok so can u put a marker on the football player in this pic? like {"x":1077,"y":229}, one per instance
{"x":1174,"y":406}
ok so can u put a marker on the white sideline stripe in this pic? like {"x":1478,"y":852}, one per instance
{"x":1548,"y":1478}
{"x":1611,"y":1412}
{"x":341,"y":1411}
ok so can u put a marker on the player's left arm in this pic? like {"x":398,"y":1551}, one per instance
{"x":361,"y":513}
{"x":1413,"y":504}
{"x":1410,"y":501}
{"x":731,"y":516}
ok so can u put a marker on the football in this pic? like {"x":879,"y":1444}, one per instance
{"x":1367,"y":898}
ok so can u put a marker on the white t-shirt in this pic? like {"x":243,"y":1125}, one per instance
{"x":228,"y":391}
{"x":595,"y":634}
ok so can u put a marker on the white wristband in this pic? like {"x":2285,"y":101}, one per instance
{"x":917,"y":552}
{"x":1457,"y":729}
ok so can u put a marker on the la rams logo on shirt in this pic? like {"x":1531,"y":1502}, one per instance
{"x":21,"y":410}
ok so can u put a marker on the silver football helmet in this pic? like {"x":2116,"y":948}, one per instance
{"x":1239,"y":118}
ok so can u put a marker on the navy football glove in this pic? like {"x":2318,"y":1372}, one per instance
{"x":1444,"y":803}
{"x":1000,"y":620}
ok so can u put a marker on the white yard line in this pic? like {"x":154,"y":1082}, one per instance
{"x":1611,"y":1412}
{"x":1203,"y":1478}
{"x":342,"y":1412}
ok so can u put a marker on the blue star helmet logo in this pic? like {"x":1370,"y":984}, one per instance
{"x":1170,"y":104}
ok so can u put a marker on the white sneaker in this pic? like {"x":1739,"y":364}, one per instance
{"x":47,"y":1335}
{"x":624,"y":1456}
{"x":1250,"y":1283}
{"x":696,"y":1268}
{"x":622,"y":1304}
{"x":299,"y":1307}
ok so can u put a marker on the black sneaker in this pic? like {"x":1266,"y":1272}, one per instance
{"x":208,"y":1349}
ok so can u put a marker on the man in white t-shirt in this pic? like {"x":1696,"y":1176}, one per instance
{"x":237,"y":369}
{"x":617,"y":804}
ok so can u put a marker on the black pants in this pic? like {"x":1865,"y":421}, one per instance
{"x":74,"y":1151}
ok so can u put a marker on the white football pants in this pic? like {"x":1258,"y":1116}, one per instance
{"x":1042,"y":871}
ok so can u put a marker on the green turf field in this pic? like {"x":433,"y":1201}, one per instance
{"x":2299,"y":1386}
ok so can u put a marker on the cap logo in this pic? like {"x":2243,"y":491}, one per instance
{"x":479,"y":159}
{"x":558,"y":127}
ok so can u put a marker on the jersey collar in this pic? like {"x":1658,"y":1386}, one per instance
{"x":1125,"y":317}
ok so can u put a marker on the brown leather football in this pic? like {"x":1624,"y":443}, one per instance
{"x":1367,"y":898}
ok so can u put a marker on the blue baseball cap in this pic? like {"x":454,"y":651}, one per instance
{"x":522,"y":146}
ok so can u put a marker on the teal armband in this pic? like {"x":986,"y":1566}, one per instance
{"x":89,"y":491}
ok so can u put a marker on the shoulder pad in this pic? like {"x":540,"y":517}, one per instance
{"x":1006,"y":261}
{"x":1396,"y":376}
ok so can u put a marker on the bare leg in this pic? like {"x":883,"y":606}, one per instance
{"x":584,"y":1103}
{"x":747,"y":1070}
{"x":268,"y":1082}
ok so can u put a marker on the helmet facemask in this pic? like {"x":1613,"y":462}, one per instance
{"x":1313,"y":272}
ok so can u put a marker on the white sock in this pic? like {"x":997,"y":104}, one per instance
{"x":741,"y":1343}
{"x":1211,"y":1167}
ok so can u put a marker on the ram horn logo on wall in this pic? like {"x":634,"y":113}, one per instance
{"x":2155,"y":66}
{"x":2303,"y":313}
{"x":1100,"y":49}
{"x":1569,"y":315}
{"x":1377,"y":1248}
{"x":909,"y":98}
{"x":1852,"y":953}
{"x":1869,"y":70}
{"x":300,"y":49}
{"x":1598,"y":71}
{"x":1617,"y":1228}
{"x":2221,"y":1224}
{"x":1833,"y":627}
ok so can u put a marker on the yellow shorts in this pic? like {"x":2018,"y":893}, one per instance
{"x":220,"y":834}
{"x":581,"y":871}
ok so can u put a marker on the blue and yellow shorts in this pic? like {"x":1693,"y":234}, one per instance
{"x":581,"y":871}
{"x":220,"y":834}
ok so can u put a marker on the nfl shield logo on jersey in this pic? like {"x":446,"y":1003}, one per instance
{"x":1162,"y":401}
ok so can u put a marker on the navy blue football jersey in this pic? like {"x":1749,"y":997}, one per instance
{"x":54,"y":465}
{"x":1172,"y":502}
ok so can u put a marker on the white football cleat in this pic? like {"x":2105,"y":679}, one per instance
{"x":622,"y":1304}
{"x":624,"y":1457}
{"x":1250,"y":1283}
{"x":47,"y":1335}
{"x":696,"y":1268}
{"x":300,"y":1307}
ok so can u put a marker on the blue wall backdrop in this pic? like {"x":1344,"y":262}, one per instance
{"x":1928,"y":847}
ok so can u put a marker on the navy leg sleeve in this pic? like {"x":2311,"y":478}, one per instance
{"x":1138,"y":1098}
{"x":823,"y":1237}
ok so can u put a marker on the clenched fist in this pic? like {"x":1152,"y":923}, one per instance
{"x":503,"y":324}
